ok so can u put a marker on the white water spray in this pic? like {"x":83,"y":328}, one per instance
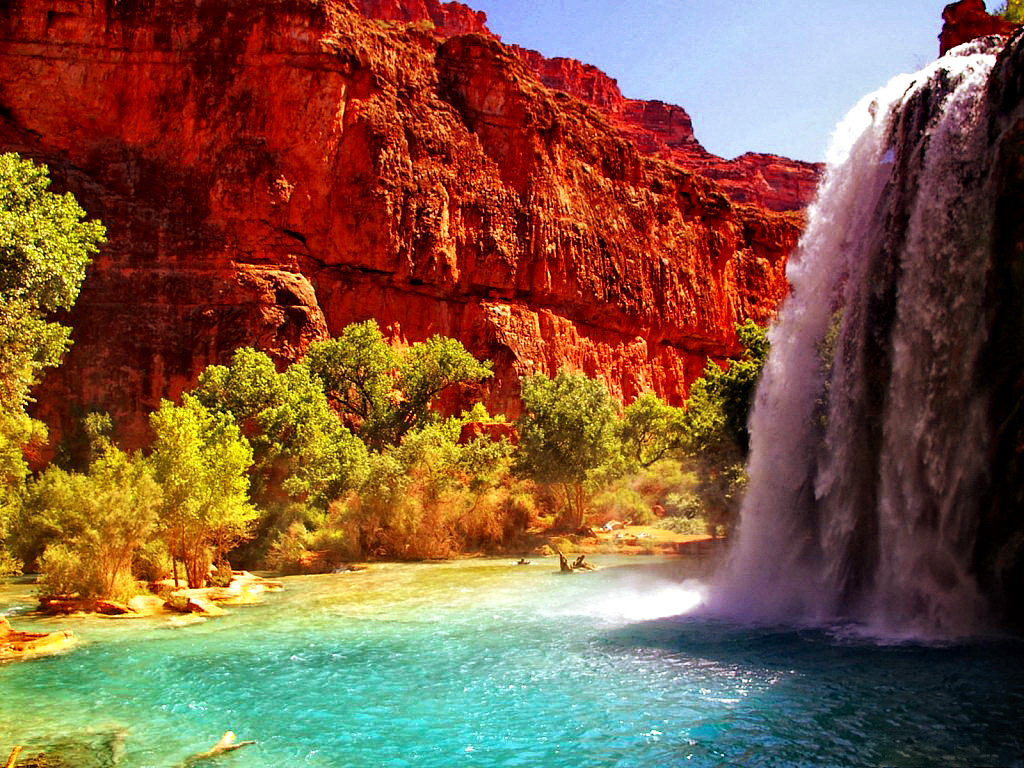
{"x":868,"y":435}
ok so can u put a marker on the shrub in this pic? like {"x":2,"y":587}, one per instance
{"x":691,"y":526}
{"x":621,"y":503}
{"x":152,"y":561}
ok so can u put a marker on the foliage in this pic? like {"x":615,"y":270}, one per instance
{"x":651,"y":429}
{"x":708,"y":436}
{"x":690,"y":526}
{"x":428,"y":497}
{"x":441,"y":497}
{"x":1013,"y":10}
{"x":381,"y":393}
{"x":732,"y":389}
{"x":289,"y":423}
{"x":91,"y":527}
{"x":568,"y":434}
{"x":201,"y":460}
{"x":45,"y":247}
{"x":621,"y":503}
{"x":16,"y":430}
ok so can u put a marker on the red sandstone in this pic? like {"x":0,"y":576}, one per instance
{"x":966,"y":20}
{"x":268,"y":177}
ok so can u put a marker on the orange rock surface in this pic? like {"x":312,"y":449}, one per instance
{"x":656,"y":128}
{"x":666,"y":131}
{"x":965,"y":20}
{"x":270,"y":174}
{"x":26,"y":645}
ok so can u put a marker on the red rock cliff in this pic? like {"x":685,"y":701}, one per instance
{"x":656,"y":128}
{"x":665,"y":131}
{"x":965,"y":20}
{"x":270,"y":171}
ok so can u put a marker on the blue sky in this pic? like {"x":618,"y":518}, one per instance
{"x":754,"y":75}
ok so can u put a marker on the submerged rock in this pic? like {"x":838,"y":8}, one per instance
{"x":24,"y":645}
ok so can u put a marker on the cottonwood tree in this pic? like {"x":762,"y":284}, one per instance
{"x":286,"y":417}
{"x":568,"y":432}
{"x":91,"y":526}
{"x":651,"y":430}
{"x":383,"y":394}
{"x":201,"y":462}
{"x":714,"y":427}
{"x":45,"y":246}
{"x":304,"y":457}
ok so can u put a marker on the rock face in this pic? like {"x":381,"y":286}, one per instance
{"x":665,"y":131}
{"x":273,"y":170}
{"x":968,"y":19}
{"x":656,"y":128}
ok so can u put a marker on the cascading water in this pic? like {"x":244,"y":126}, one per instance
{"x":869,"y":435}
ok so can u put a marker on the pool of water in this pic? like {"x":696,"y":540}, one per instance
{"x":482,"y":663}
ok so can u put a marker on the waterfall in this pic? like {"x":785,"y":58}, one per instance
{"x":869,"y":433}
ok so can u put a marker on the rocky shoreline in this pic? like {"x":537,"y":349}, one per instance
{"x":24,"y":645}
{"x":243,"y":589}
{"x":178,"y":603}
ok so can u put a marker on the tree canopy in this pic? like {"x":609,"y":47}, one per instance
{"x":288,"y":421}
{"x":201,"y":460}
{"x":45,"y":246}
{"x":84,"y":531}
{"x":382,"y":393}
{"x":568,"y":431}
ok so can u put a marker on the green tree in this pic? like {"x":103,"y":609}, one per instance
{"x":732,"y":389}
{"x":382,"y":394}
{"x":431,"y":496}
{"x":90,"y":527}
{"x":304,"y":457}
{"x":201,"y":461}
{"x":715,"y":436}
{"x":568,"y":434}
{"x":16,"y":431}
{"x":300,"y":447}
{"x":45,"y":246}
{"x":652,"y":429}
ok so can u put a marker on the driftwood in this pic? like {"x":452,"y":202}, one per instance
{"x":580,"y":564}
{"x":227,"y":743}
{"x":13,"y":758}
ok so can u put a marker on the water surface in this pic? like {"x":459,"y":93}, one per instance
{"x":482,"y":663}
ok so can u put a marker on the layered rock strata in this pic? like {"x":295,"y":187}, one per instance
{"x":272,"y":171}
{"x":656,"y":128}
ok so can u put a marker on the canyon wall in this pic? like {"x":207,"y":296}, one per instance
{"x":656,"y":128}
{"x":272,"y":170}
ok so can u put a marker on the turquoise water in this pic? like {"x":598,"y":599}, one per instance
{"x":481,"y":663}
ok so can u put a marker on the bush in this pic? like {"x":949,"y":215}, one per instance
{"x":65,"y":572}
{"x":689,"y":526}
{"x":683,"y":505}
{"x":621,"y":504}
{"x":152,"y":561}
